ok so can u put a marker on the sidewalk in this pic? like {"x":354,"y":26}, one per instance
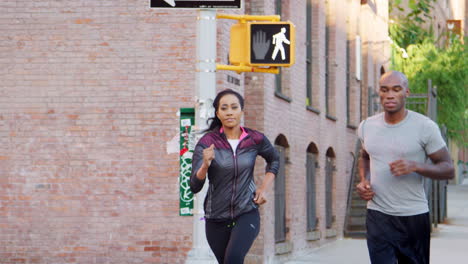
{"x":448,"y":244}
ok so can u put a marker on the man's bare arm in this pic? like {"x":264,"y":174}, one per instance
{"x":364,"y":164}
{"x":364,"y":188}
{"x":442,"y":169}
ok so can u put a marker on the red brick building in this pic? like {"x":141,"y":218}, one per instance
{"x":89,"y":116}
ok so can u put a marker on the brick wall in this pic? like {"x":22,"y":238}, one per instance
{"x":90,"y":92}
{"x":88,"y":121}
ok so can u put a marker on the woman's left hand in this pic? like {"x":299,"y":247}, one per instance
{"x":260,"y":197}
{"x":260,"y":193}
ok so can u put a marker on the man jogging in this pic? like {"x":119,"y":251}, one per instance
{"x":396,"y":148}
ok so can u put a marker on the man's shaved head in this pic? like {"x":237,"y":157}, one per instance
{"x":400,"y":75}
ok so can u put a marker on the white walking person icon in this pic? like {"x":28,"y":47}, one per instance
{"x":278,"y":40}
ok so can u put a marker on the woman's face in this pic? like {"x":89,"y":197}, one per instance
{"x":229,"y":111}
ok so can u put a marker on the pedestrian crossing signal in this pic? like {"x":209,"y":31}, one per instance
{"x":263,"y":44}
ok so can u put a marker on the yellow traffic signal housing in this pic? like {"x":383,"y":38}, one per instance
{"x":263,"y":44}
{"x":238,"y":44}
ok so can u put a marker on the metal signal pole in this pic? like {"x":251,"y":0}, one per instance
{"x":206,"y":92}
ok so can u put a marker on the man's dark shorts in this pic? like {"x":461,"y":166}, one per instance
{"x":398,"y":239}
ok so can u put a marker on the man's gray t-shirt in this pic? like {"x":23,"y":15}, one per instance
{"x":413,"y":138}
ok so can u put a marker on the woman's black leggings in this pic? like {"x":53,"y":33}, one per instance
{"x":231,"y":240}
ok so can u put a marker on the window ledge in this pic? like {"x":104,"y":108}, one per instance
{"x":352,"y":126}
{"x":282,"y":96}
{"x":330,"y":232}
{"x":283,"y":247}
{"x":315,"y":110}
{"x":331,"y":117}
{"x":314,"y":235}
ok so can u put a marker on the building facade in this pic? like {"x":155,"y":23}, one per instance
{"x":91,"y":94}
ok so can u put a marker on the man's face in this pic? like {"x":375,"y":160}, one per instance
{"x":392,"y":93}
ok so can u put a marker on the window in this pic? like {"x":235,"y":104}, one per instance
{"x":353,"y":83}
{"x":348,"y":83}
{"x":311,"y":168}
{"x":330,"y":66}
{"x":329,"y":175}
{"x":282,"y":86}
{"x":281,"y":146}
{"x":329,"y":72}
{"x":280,"y":199}
{"x":309,"y":53}
{"x":327,"y":58}
{"x":278,"y":77}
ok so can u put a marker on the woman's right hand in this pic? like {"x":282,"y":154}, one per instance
{"x":208,"y":155}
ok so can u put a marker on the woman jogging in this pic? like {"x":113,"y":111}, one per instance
{"x":227,"y":154}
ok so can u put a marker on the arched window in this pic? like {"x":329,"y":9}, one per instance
{"x":311,"y":168}
{"x":329,"y":175}
{"x":281,"y":144}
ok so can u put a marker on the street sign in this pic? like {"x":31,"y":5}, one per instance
{"x":271,"y":43}
{"x":220,"y":4}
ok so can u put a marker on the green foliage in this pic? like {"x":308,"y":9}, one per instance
{"x":407,"y":27}
{"x":411,"y":33}
{"x":447,"y":68}
{"x":417,"y":10}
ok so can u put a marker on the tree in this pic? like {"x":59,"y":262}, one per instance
{"x":447,"y":68}
{"x":416,"y":54}
{"x":407,"y":25}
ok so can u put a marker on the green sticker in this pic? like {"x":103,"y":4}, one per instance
{"x":187,"y":120}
